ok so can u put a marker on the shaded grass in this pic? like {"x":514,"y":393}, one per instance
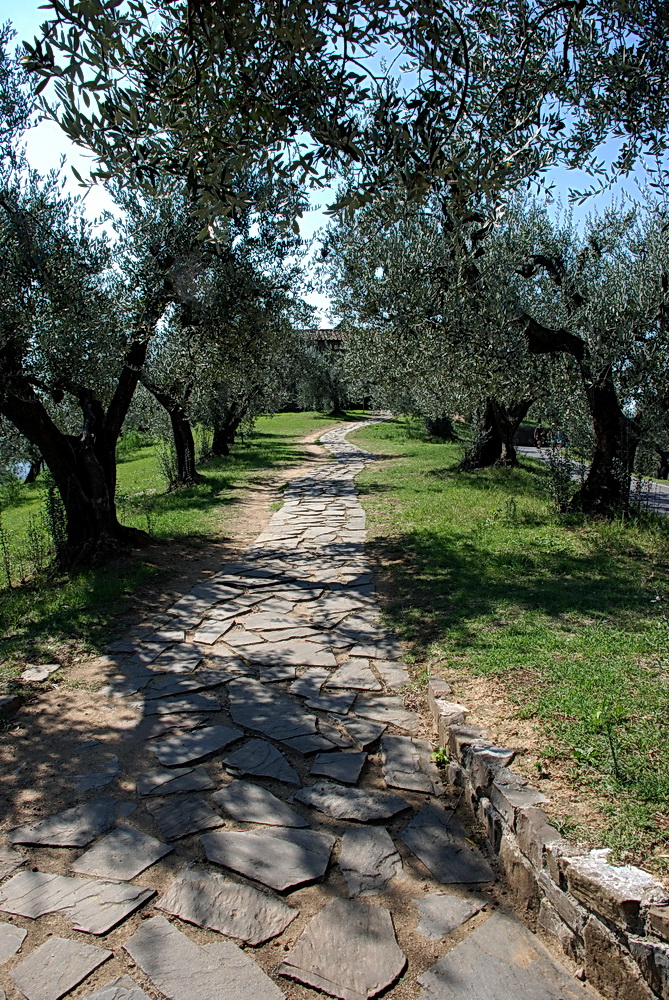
{"x":568,"y":615}
{"x":54,"y":615}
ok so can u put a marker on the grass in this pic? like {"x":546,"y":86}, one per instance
{"x":568,"y":615}
{"x":55,"y":616}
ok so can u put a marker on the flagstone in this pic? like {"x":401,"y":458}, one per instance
{"x":181,"y":706}
{"x":389,"y":710}
{"x":280,"y":858}
{"x":169,"y":781}
{"x":438,"y":839}
{"x":93,"y":905}
{"x":183,"y":970}
{"x":369,"y":860}
{"x":297,"y":652}
{"x":11,"y":939}
{"x":9,"y":861}
{"x":500,"y":960}
{"x":441,"y":914}
{"x":56,"y":967}
{"x":256,"y":706}
{"x":355,"y":674}
{"x":394,"y":674}
{"x":342,"y":766}
{"x":251,"y":803}
{"x":406,"y":764}
{"x":207,"y":899}
{"x":364,"y":731}
{"x":191,"y":747}
{"x":308,"y":685}
{"x":121,"y":855}
{"x":338,"y":704}
{"x":350,"y":803}
{"x":261,"y":758}
{"x":153,"y":726}
{"x":348,"y":950}
{"x":121,"y":988}
{"x":74,"y":827}
{"x":181,"y":817}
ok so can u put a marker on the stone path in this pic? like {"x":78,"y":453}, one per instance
{"x":286,"y":831}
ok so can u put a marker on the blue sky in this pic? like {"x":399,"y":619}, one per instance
{"x":47,"y":144}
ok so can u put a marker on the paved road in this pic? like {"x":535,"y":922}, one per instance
{"x":653,"y":494}
{"x":295,"y":789}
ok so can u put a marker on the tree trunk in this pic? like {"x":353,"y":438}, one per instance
{"x":182,"y":432}
{"x":440,"y":427}
{"x":607,"y":484}
{"x":184,"y":444}
{"x":494,"y":441}
{"x":662,"y":463}
{"x":84,"y":470}
{"x":225,"y":429}
{"x":34,"y":470}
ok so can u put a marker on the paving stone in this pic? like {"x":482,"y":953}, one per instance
{"x":350,"y":803}
{"x":365,"y":732}
{"x":181,"y":706}
{"x":38,"y":674}
{"x":406,"y":764}
{"x":121,"y":855}
{"x":348,"y":950}
{"x":243,"y":639}
{"x":181,"y":817}
{"x":205,"y":898}
{"x":190,"y":747}
{"x":500,"y":960}
{"x":384,"y":649}
{"x":147,"y":652}
{"x":121,"y":988}
{"x":182,"y":970}
{"x":56,"y":967}
{"x":262,"y":621}
{"x":342,"y":766}
{"x":355,"y":674}
{"x":393,"y":674}
{"x":250,"y":803}
{"x":276,"y":716}
{"x":93,"y":905}
{"x":308,"y":744}
{"x":295,"y":652}
{"x":74,"y":827}
{"x":309,"y":684}
{"x":170,"y":781}
{"x":211,"y":631}
{"x":299,"y":632}
{"x":338,"y":704}
{"x":436,"y":836}
{"x":442,"y":914}
{"x":153,"y":726}
{"x":269,"y":675}
{"x":173,"y":686}
{"x":11,"y":939}
{"x":97,"y":779}
{"x":280,"y":858}
{"x":261,"y":758}
{"x":388,"y":710}
{"x":9,"y":861}
{"x":368,"y":860}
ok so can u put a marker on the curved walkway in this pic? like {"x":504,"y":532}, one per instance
{"x":283,"y":801}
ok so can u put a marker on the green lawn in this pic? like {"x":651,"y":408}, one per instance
{"x":569,"y":616}
{"x":53,"y":615}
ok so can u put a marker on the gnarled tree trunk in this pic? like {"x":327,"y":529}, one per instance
{"x":184,"y":443}
{"x":607,"y":485}
{"x":440,"y":427}
{"x":494,"y":441}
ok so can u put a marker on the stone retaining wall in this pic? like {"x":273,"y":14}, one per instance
{"x":612,"y":920}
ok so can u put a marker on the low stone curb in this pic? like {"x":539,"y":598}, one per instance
{"x":612,"y":920}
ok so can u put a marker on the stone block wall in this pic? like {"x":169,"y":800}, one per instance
{"x":613,"y":920}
